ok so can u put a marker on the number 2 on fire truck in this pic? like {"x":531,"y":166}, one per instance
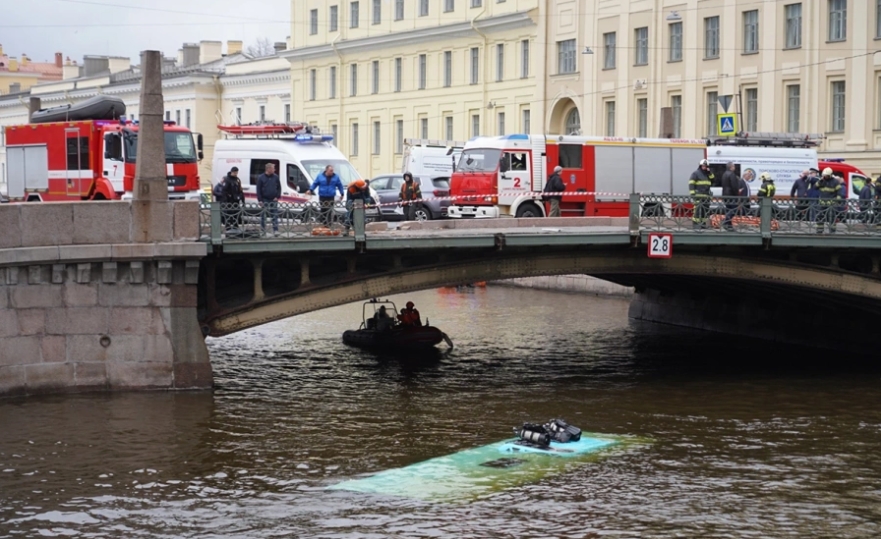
{"x":660,"y":245}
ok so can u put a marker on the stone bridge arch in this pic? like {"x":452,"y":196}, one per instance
{"x":691,"y":280}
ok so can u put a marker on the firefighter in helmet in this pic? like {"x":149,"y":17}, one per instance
{"x":831,"y":195}
{"x":699,"y":185}
{"x":410,"y":316}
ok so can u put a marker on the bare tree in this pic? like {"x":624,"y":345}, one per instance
{"x":262,"y":48}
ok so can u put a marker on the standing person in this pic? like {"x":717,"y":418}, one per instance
{"x":410,"y":195}
{"x":555,"y":185}
{"x":327,"y":184}
{"x":813,"y":194}
{"x":830,"y":195}
{"x":699,"y":185}
{"x":234,"y":197}
{"x":867,"y":196}
{"x":357,"y":190}
{"x":268,"y":192}
{"x":730,"y":190}
{"x":799,"y":193}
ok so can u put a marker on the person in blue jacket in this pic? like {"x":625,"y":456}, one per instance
{"x":327,"y":184}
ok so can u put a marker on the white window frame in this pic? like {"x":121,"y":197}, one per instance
{"x":334,"y":22}
{"x":475,"y":125}
{"x":354,"y":14}
{"x":676,"y":105}
{"x":609,"y":109}
{"x":475,"y":65}
{"x":525,"y":121}
{"x":354,"y":149}
{"x":423,"y":127}
{"x":793,"y":107}
{"x":399,"y":73}
{"x":712,"y":111}
{"x":399,"y":10}
{"x":377,"y":137}
{"x":711,"y":37}
{"x":313,"y":84}
{"x":524,"y":58}
{"x":752,"y":109}
{"x":332,"y":75}
{"x":610,"y":49}
{"x":423,"y":70}
{"x":500,"y":121}
{"x":313,"y":22}
{"x":399,"y":136}
{"x":375,"y":68}
{"x":500,"y":62}
{"x":449,"y":5}
{"x":675,"y":30}
{"x":287,"y":114}
{"x":448,"y":127}
{"x":641,"y":38}
{"x":448,"y":69}
{"x":642,"y":117}
{"x":423,"y":8}
{"x":377,"y":13}
{"x":838,"y":112}
{"x":476,"y":3}
{"x":751,"y":31}
{"x":837,"y":20}
{"x":353,"y":82}
{"x":566,"y":56}
{"x":792,"y":16}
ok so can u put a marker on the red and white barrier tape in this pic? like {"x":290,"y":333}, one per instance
{"x":482,"y":198}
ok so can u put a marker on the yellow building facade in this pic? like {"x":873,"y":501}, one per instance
{"x":375,"y":72}
{"x":805,"y":66}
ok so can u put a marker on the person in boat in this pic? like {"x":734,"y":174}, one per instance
{"x":382,"y":320}
{"x":410,"y":316}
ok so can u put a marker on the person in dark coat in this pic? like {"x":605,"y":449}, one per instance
{"x":268,"y":193}
{"x":555,"y":185}
{"x":234,"y":198}
{"x":730,"y":190}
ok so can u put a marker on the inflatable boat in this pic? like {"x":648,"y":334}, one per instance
{"x":100,"y":107}
{"x":389,"y":334}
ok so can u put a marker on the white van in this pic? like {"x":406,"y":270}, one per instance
{"x":298,"y":161}
{"x":425,"y":157}
{"x":784,"y":164}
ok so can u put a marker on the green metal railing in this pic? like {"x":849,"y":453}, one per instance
{"x":764,"y":217}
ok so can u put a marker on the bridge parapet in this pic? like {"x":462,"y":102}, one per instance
{"x":82,"y":307}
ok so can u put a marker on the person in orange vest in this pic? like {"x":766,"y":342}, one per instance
{"x":410,"y":316}
{"x":409,"y":195}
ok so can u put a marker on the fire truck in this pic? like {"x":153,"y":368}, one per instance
{"x":504,"y":176}
{"x":91,"y":159}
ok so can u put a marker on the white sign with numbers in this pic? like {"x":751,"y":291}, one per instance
{"x":660,"y":245}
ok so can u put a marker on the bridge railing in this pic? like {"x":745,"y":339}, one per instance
{"x":221,"y":221}
{"x":756,"y":216}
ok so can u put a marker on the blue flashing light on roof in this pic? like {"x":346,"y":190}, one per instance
{"x":518,"y":136}
{"x":313,"y":138}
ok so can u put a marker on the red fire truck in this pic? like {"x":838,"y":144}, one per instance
{"x":93,"y":160}
{"x":504,"y":176}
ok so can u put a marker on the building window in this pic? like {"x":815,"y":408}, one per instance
{"x":609,"y":48}
{"x":878,"y":19}
{"x":399,"y":10}
{"x":501,"y":119}
{"x":712,"y":108}
{"x":287,"y":114}
{"x":187,"y":116}
{"x":448,"y":127}
{"x":676,"y":42}
{"x":573,"y":123}
{"x":610,"y":118}
{"x":354,"y":14}
{"x":711,"y":37}
{"x":423,"y":8}
{"x":377,"y":133}
{"x":642,"y":108}
{"x":793,"y":107}
{"x":177,"y":117}
{"x":525,"y":121}
{"x":838,"y":110}
{"x":313,"y":84}
{"x":475,"y":64}
{"x":354,"y":150}
{"x":448,"y":69}
{"x":751,"y":31}
{"x":524,"y":58}
{"x":399,"y":136}
{"x":335,"y":133}
{"x":642,"y":46}
{"x":332,"y":85}
{"x":476,"y":3}
{"x":837,"y":20}
{"x":423,"y":127}
{"x":238,"y":115}
{"x":353,"y":88}
{"x":334,"y":18}
{"x":475,"y":125}
{"x":261,"y":114}
{"x":423,"y":68}
{"x":449,"y":5}
{"x":377,"y":14}
{"x":399,"y":62}
{"x":167,"y":119}
{"x":375,"y":88}
{"x":676,"y":105}
{"x":500,"y":62}
{"x":313,"y":22}
{"x":566,"y":56}
{"x":752,"y":109}
{"x":792,"y":13}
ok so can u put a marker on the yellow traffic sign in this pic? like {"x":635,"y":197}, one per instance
{"x":726,"y":125}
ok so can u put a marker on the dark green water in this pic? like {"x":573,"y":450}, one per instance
{"x":749,"y":439}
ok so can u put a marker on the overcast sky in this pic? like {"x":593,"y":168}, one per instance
{"x":40,"y":28}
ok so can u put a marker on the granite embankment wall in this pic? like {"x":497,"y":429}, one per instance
{"x":82,"y":307}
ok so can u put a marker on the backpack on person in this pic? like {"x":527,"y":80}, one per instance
{"x":218,"y":192}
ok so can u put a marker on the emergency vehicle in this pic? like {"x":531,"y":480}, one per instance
{"x":93,"y":160}
{"x":784,"y":155}
{"x":299,"y":152}
{"x":504,"y":176}
{"x":426,"y":157}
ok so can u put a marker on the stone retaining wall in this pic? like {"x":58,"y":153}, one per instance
{"x":584,"y":284}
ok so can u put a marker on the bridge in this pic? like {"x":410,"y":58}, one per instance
{"x":87,"y":304}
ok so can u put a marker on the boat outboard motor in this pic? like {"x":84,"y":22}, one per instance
{"x":534,"y":434}
{"x":562,"y":431}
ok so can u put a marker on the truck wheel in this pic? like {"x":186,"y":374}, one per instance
{"x":528,"y":210}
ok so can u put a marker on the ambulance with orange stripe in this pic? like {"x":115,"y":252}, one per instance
{"x":504,"y":175}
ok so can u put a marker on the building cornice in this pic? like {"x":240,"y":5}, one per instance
{"x":265,"y":77}
{"x":501,"y":23}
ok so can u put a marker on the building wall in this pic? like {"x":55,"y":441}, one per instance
{"x":399,"y":112}
{"x":814,"y":66}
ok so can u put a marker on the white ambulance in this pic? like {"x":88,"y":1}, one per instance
{"x":433,"y":158}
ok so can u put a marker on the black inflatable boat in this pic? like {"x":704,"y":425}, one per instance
{"x":100,"y":107}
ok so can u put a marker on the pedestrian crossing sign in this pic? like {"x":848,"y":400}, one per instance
{"x":726,"y":124}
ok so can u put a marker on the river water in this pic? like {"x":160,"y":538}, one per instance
{"x":746,"y":439}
